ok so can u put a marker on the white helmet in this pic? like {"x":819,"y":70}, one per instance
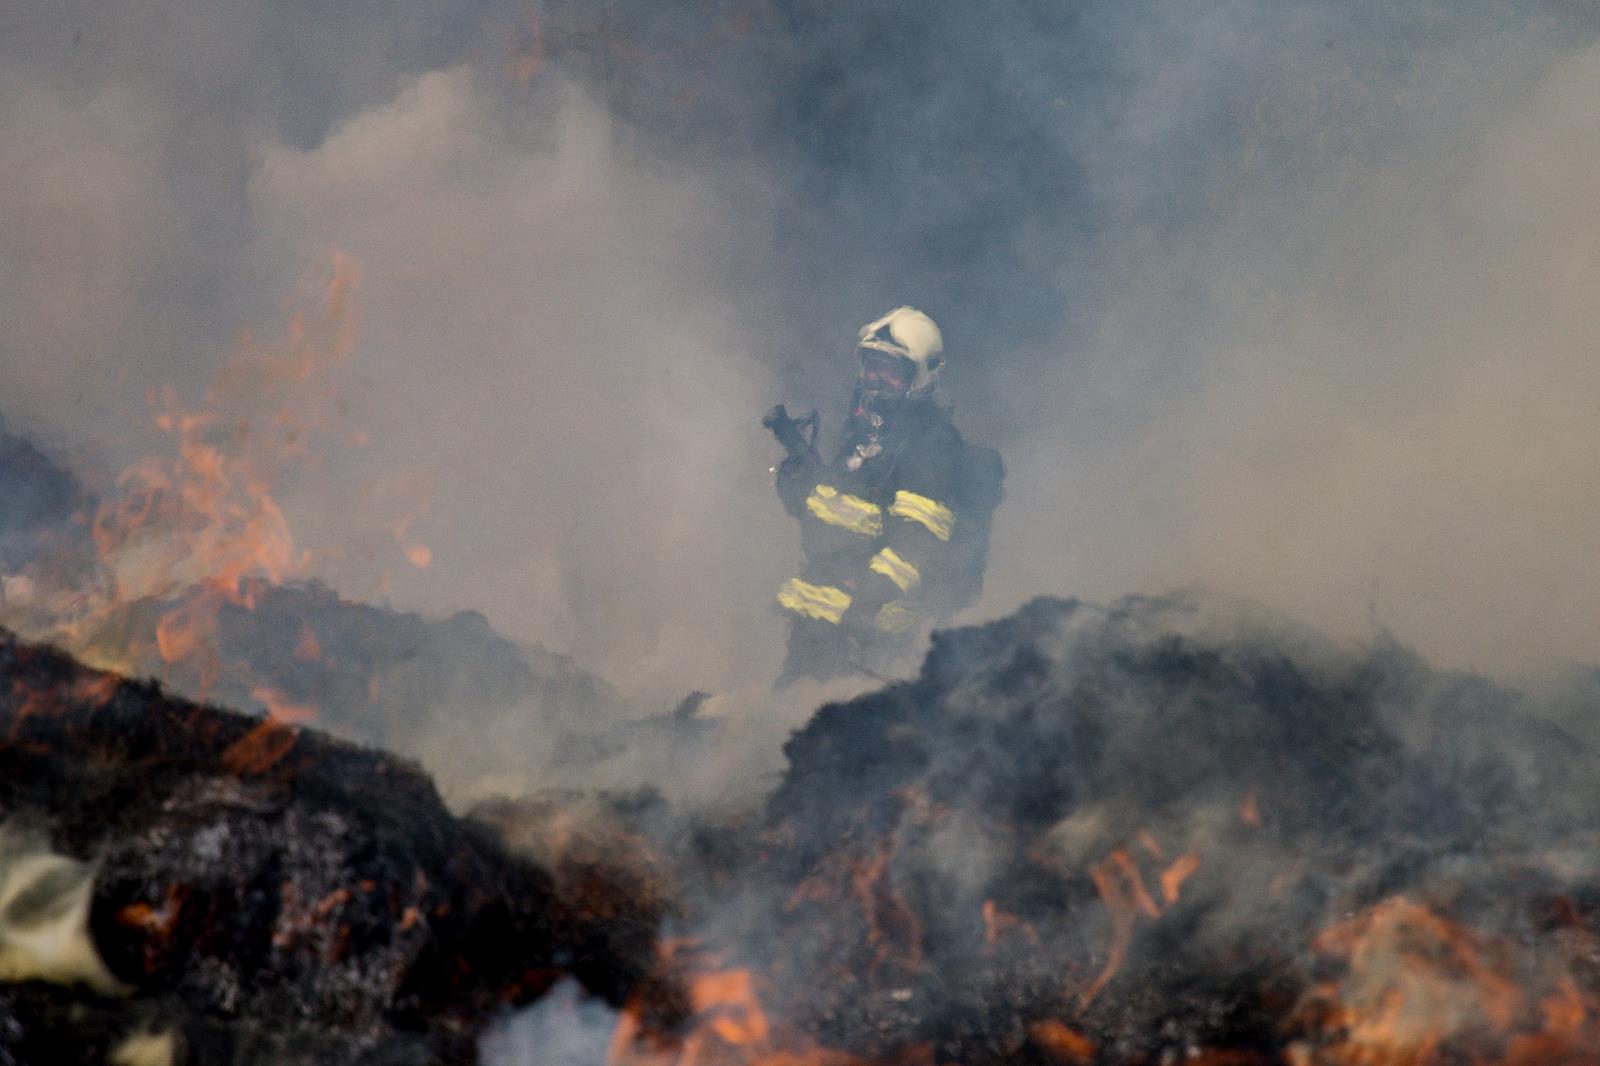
{"x":909,"y":334}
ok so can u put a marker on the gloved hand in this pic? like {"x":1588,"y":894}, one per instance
{"x":789,"y":431}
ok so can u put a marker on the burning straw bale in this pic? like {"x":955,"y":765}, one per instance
{"x":1164,"y":829}
{"x":273,"y":894}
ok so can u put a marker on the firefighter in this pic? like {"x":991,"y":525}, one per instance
{"x":895,"y":529}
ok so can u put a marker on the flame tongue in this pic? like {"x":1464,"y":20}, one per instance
{"x":728,"y":1028}
{"x":1421,"y":988}
{"x":200,"y":529}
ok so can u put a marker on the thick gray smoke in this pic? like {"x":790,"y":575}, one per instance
{"x":1289,"y":300}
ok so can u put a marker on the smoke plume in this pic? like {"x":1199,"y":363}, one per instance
{"x":1286,"y":300}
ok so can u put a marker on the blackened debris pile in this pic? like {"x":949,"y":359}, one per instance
{"x":270,"y":893}
{"x":1161,"y":831}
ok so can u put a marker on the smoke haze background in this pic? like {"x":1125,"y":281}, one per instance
{"x":1294,"y":301}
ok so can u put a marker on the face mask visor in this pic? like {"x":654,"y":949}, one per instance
{"x":882,"y":379}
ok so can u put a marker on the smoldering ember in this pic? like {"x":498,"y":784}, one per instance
{"x":773,"y":533}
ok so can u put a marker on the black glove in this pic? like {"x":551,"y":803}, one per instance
{"x":790,"y":432}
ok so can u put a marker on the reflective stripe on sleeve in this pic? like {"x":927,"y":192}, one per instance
{"x":930,"y":513}
{"x":822,"y":602}
{"x":895,"y":617}
{"x":845,"y":511}
{"x":904,"y":574}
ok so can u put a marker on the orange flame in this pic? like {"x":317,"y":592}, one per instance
{"x":729,"y":1029}
{"x":261,"y":749}
{"x":1064,"y":1045}
{"x":1416,"y":982}
{"x":94,"y":691}
{"x":206,"y":517}
{"x":997,"y":922}
{"x":893,"y":928}
{"x":1173,"y":877}
{"x":280,"y":709}
{"x":205,"y":520}
{"x":1122,"y":889}
{"x":413,"y":492}
{"x":727,"y":1002}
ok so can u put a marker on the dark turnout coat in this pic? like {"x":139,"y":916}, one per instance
{"x":890,"y":547}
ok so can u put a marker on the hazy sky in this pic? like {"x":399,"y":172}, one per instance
{"x":1290,"y":300}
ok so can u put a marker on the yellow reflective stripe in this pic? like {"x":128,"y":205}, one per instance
{"x":931,"y":513}
{"x":846,"y":511}
{"x":904,"y":574}
{"x":896,"y":617}
{"x":822,"y":602}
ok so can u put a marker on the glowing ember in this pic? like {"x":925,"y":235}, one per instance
{"x":1250,"y":810}
{"x":1173,"y":877}
{"x":280,"y":708}
{"x":998,"y":923}
{"x":1062,"y":1044}
{"x":729,"y":1028}
{"x":259,"y":750}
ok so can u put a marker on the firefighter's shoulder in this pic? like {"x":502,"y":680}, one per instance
{"x":972,"y":473}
